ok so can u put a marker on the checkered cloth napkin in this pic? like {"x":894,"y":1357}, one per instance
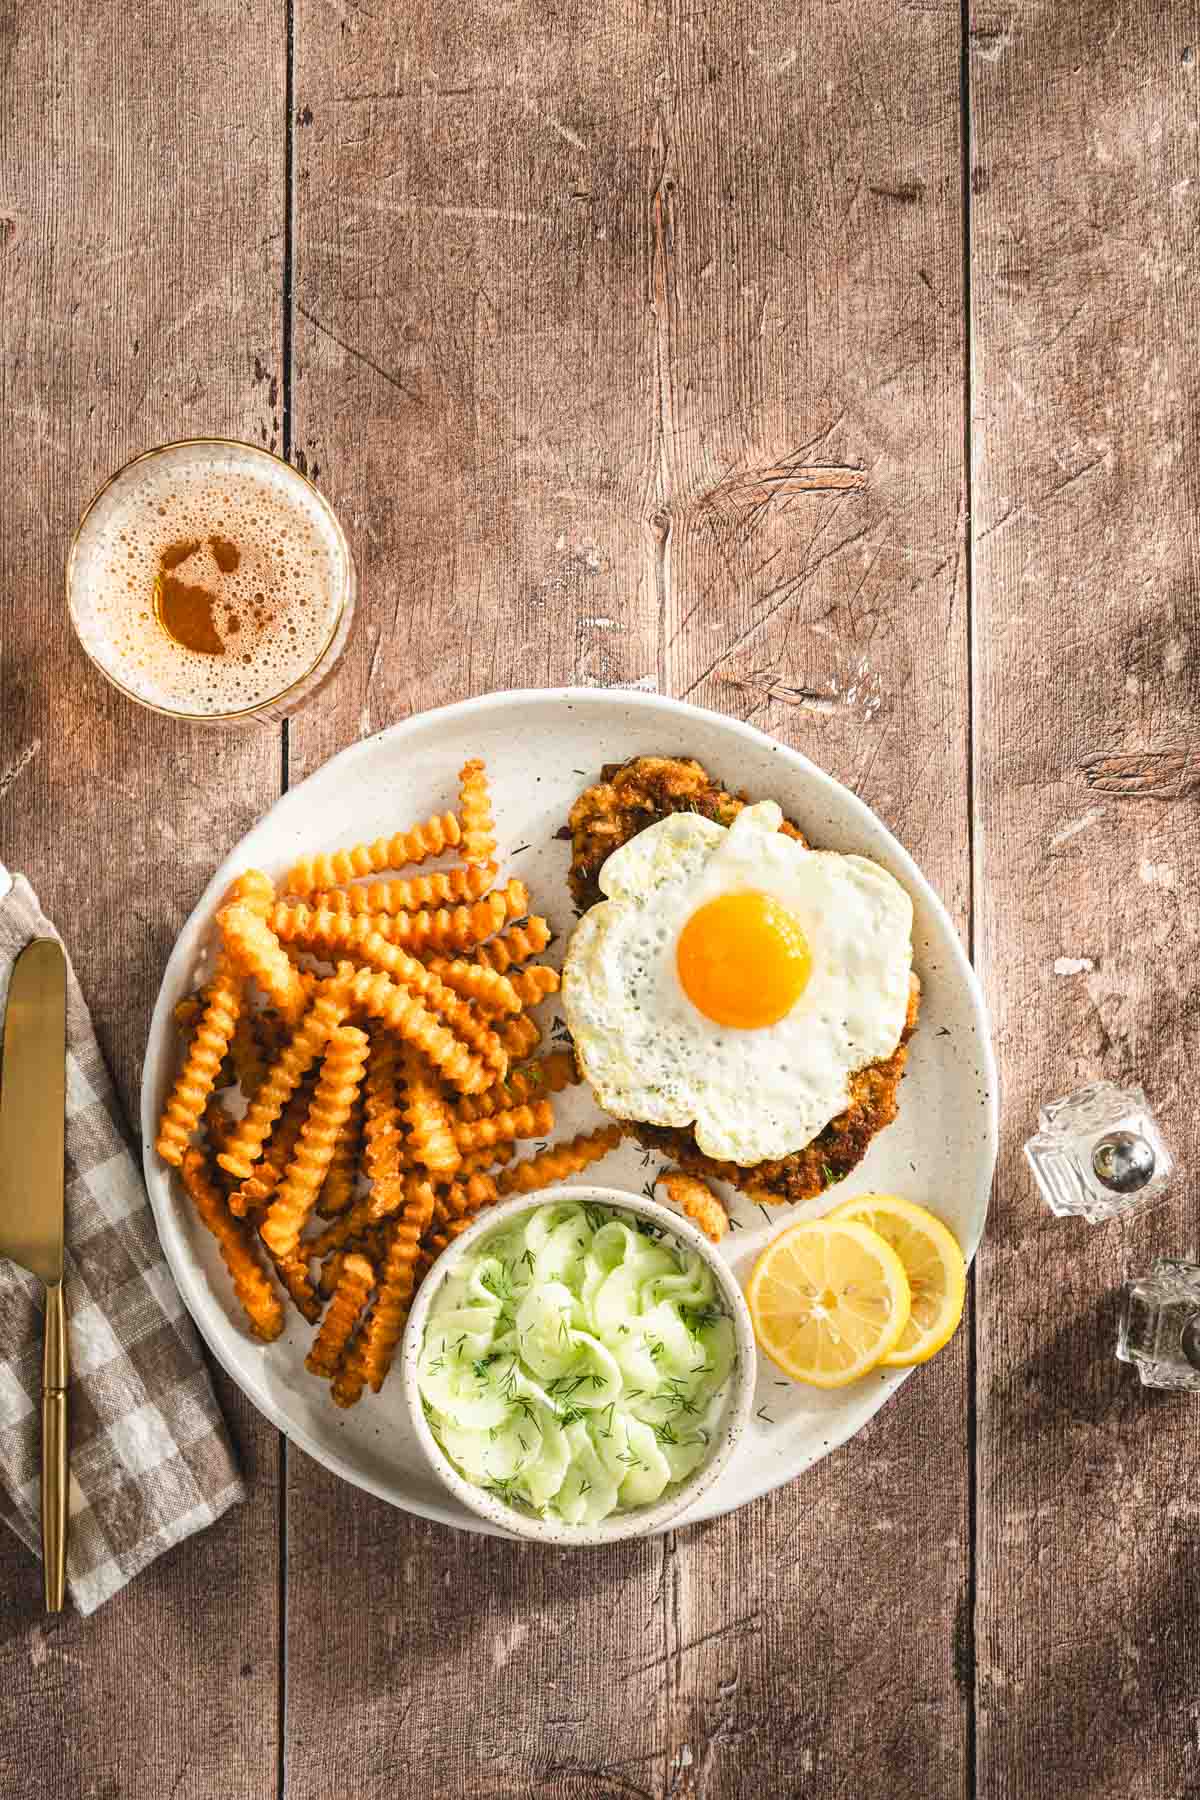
{"x":150,"y":1458}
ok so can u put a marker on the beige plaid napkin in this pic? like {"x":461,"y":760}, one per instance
{"x":150,"y":1458}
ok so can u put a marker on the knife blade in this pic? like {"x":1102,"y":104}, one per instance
{"x":33,"y":1084}
{"x":33,"y":1095}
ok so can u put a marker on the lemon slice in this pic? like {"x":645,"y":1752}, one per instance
{"x":933,"y":1262}
{"x":828,"y":1298}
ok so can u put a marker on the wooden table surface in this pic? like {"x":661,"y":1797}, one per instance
{"x":587,"y":319}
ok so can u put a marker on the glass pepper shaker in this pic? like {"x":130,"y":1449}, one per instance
{"x":1160,"y":1326}
{"x":1099,"y":1153}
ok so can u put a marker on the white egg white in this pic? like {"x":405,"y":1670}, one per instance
{"x":651,"y":1055}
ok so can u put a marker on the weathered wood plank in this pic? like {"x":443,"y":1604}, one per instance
{"x":807,"y":240}
{"x":474,"y":352}
{"x":1085,"y":581}
{"x":141,"y":214}
{"x":472,"y":335}
{"x":463,"y":1666}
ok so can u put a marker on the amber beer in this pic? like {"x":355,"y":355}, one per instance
{"x":211,"y":581}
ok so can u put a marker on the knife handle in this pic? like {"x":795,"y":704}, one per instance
{"x":55,"y":1480}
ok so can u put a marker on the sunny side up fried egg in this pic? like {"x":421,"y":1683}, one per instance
{"x":733,"y":980}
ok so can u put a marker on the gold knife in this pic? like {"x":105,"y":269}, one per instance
{"x":33,"y":1094}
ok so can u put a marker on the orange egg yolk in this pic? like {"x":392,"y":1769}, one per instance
{"x":743,"y":960}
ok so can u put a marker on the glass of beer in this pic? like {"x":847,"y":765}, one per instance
{"x":210,"y":581}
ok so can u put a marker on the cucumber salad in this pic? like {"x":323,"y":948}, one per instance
{"x":577,"y":1363}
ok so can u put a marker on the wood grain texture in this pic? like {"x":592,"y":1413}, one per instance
{"x":444,"y":1663}
{"x":473,"y":347}
{"x":807,"y":253}
{"x":141,"y":191}
{"x":470,"y":219}
{"x":1088,"y":842}
{"x":632,"y":353}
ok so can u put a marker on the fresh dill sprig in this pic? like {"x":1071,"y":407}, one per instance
{"x":698,"y":1318}
{"x":563,"y":1386}
{"x":496,"y":1282}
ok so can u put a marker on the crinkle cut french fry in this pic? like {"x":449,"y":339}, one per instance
{"x":203,"y":1058}
{"x":245,"y":1053}
{"x":297,"y":1057}
{"x":355,"y":1281}
{"x":384,"y":1146}
{"x":471,"y":981}
{"x":534,"y":984}
{"x":187,"y":1010}
{"x":475,"y":812}
{"x":337,"y":1190}
{"x":430,"y":1138}
{"x":218,"y":1122}
{"x":293,"y":1271}
{"x":444,"y":928}
{"x":331,"y":1270}
{"x":337,"y":1085}
{"x":697,"y":1201}
{"x":445,"y":887}
{"x":250,"y":1283}
{"x":372,"y":992}
{"x":520,"y":1037}
{"x":262,"y":1181}
{"x":559,"y":1161}
{"x":520,"y":944}
{"x":549,"y":1075}
{"x":253,"y":889}
{"x":370,"y":1357}
{"x":341,"y":1232}
{"x":256,"y":950}
{"x":454,"y":927}
{"x":386,"y":1323}
{"x":337,"y":933}
{"x":463,"y":1198}
{"x":439,"y":833}
{"x":480,"y":1162}
{"x":534,"y":1121}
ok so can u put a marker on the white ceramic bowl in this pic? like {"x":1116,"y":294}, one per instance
{"x":640,"y":1521}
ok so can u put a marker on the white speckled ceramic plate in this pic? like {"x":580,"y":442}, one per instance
{"x":541,"y":748}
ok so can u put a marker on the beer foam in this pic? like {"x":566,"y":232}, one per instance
{"x":276,"y":614}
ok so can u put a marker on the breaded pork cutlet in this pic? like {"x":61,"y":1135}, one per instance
{"x":628,"y":797}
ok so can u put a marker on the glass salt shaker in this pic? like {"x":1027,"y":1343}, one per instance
{"x":1099,"y":1153}
{"x":1160,"y":1326}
